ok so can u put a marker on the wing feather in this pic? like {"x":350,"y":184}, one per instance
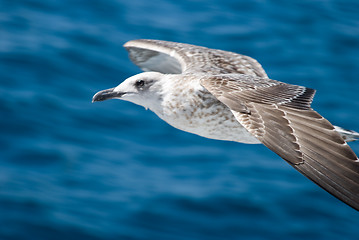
{"x":172,"y":57}
{"x":291,"y":128}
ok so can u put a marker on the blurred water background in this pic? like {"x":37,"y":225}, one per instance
{"x":70,"y":169}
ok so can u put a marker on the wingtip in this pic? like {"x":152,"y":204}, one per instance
{"x":135,"y":42}
{"x":347,"y":135}
{"x":128,"y":43}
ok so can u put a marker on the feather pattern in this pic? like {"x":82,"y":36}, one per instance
{"x":289,"y":127}
{"x":171,"y":57}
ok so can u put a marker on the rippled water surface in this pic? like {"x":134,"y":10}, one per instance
{"x":70,"y":169}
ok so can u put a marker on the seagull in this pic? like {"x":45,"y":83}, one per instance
{"x":228,"y":96}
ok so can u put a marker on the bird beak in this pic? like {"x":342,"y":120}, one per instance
{"x":106,"y":94}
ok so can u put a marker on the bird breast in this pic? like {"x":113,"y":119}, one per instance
{"x":197,"y":111}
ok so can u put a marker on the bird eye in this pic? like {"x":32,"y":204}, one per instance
{"x":140,"y":83}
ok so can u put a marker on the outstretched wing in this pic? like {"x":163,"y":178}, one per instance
{"x":280,"y":116}
{"x":172,"y":57}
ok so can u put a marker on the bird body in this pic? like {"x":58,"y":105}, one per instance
{"x":196,"y":111}
{"x":227,"y":96}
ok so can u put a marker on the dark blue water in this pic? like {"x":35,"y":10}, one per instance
{"x":70,"y":169}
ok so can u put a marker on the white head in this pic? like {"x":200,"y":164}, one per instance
{"x":144,"y":89}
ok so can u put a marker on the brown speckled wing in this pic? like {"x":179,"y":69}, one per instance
{"x":279,"y":115}
{"x":172,"y":57}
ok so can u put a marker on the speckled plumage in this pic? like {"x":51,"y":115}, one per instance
{"x":228,"y":96}
{"x":197,"y":111}
{"x":172,"y":57}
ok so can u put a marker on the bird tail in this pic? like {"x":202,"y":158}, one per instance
{"x":347,"y":135}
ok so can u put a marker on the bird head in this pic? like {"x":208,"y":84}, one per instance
{"x":144,"y":89}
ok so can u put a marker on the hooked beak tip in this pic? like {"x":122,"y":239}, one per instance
{"x":105,"y":95}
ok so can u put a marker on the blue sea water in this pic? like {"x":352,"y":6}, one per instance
{"x":70,"y":169}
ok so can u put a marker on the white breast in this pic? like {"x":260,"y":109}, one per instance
{"x":199,"y":112}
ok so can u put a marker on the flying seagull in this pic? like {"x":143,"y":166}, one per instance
{"x":228,"y":96}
